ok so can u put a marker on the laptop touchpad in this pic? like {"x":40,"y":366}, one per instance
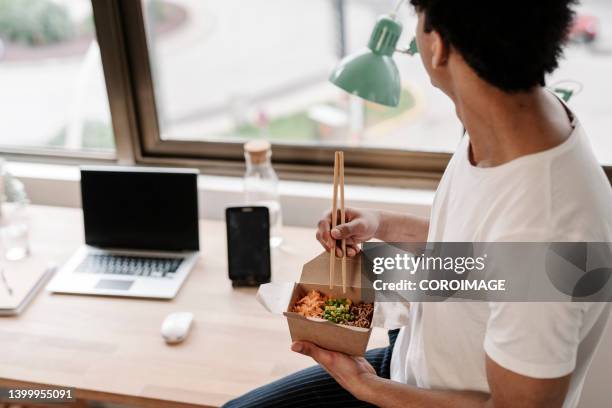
{"x":114,"y":284}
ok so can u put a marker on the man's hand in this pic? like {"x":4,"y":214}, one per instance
{"x":360,"y":226}
{"x":354,"y":374}
{"x":363,"y":224}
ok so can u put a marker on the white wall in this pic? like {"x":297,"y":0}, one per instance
{"x":302,"y":202}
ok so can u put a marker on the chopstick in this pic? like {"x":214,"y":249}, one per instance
{"x":338,"y":184}
{"x":334,"y":216}
{"x":342,"y":220}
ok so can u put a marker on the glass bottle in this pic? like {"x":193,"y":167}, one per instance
{"x":261,"y":185}
{"x":14,"y":225}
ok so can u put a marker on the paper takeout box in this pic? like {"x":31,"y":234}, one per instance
{"x":279,"y":298}
{"x":315,"y":276}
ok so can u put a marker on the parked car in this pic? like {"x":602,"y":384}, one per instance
{"x":585,"y":29}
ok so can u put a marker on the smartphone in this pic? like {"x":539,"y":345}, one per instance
{"x":248,"y":245}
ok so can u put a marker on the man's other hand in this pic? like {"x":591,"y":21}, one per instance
{"x":354,"y":374}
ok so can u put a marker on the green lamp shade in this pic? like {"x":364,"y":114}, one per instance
{"x":371,"y":73}
{"x":370,"y":76}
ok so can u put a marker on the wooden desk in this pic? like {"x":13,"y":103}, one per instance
{"x":110,"y":349}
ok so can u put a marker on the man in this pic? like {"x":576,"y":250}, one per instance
{"x":524,"y":172}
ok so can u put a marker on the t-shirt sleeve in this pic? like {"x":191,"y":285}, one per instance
{"x":537,"y":340}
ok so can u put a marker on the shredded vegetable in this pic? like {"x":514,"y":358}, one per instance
{"x":340,"y":311}
{"x":311,"y":305}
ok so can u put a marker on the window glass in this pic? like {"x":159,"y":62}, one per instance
{"x":586,"y":69}
{"x":53,"y":91}
{"x":228,"y":70}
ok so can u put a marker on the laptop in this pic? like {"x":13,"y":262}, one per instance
{"x":141,"y":233}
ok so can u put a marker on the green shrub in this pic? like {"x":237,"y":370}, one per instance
{"x":34,"y":22}
{"x":97,"y":135}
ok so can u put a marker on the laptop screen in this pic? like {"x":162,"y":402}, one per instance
{"x":151,"y":209}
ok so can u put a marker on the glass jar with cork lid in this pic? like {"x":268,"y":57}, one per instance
{"x":261,"y":185}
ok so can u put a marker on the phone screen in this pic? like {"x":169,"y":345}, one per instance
{"x":248,"y":244}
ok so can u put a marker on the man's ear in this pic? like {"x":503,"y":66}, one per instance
{"x":439,"y":50}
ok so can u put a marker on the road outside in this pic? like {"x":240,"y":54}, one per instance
{"x":232,"y":60}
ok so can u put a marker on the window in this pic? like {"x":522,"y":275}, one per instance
{"x":219,"y":73}
{"x":586,"y":69}
{"x":53,"y":95}
{"x":211,"y":75}
{"x":234,"y":70}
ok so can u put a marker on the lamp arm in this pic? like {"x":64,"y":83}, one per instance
{"x":397,"y":7}
{"x":411,"y":49}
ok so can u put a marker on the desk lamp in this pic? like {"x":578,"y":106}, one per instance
{"x":371,"y":72}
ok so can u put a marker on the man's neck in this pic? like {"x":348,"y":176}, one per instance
{"x":503,"y":126}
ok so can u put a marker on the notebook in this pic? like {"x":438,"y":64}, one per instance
{"x":25,"y":278}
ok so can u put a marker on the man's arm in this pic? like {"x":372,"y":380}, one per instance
{"x":400,"y":227}
{"x":508,"y":389}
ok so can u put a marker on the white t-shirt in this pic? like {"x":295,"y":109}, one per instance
{"x":560,"y":194}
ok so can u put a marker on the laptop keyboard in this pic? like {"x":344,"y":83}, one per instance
{"x":130,"y":265}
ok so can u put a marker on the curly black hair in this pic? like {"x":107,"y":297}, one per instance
{"x":510,"y":44}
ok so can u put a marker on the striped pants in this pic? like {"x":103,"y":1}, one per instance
{"x":313,"y":387}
